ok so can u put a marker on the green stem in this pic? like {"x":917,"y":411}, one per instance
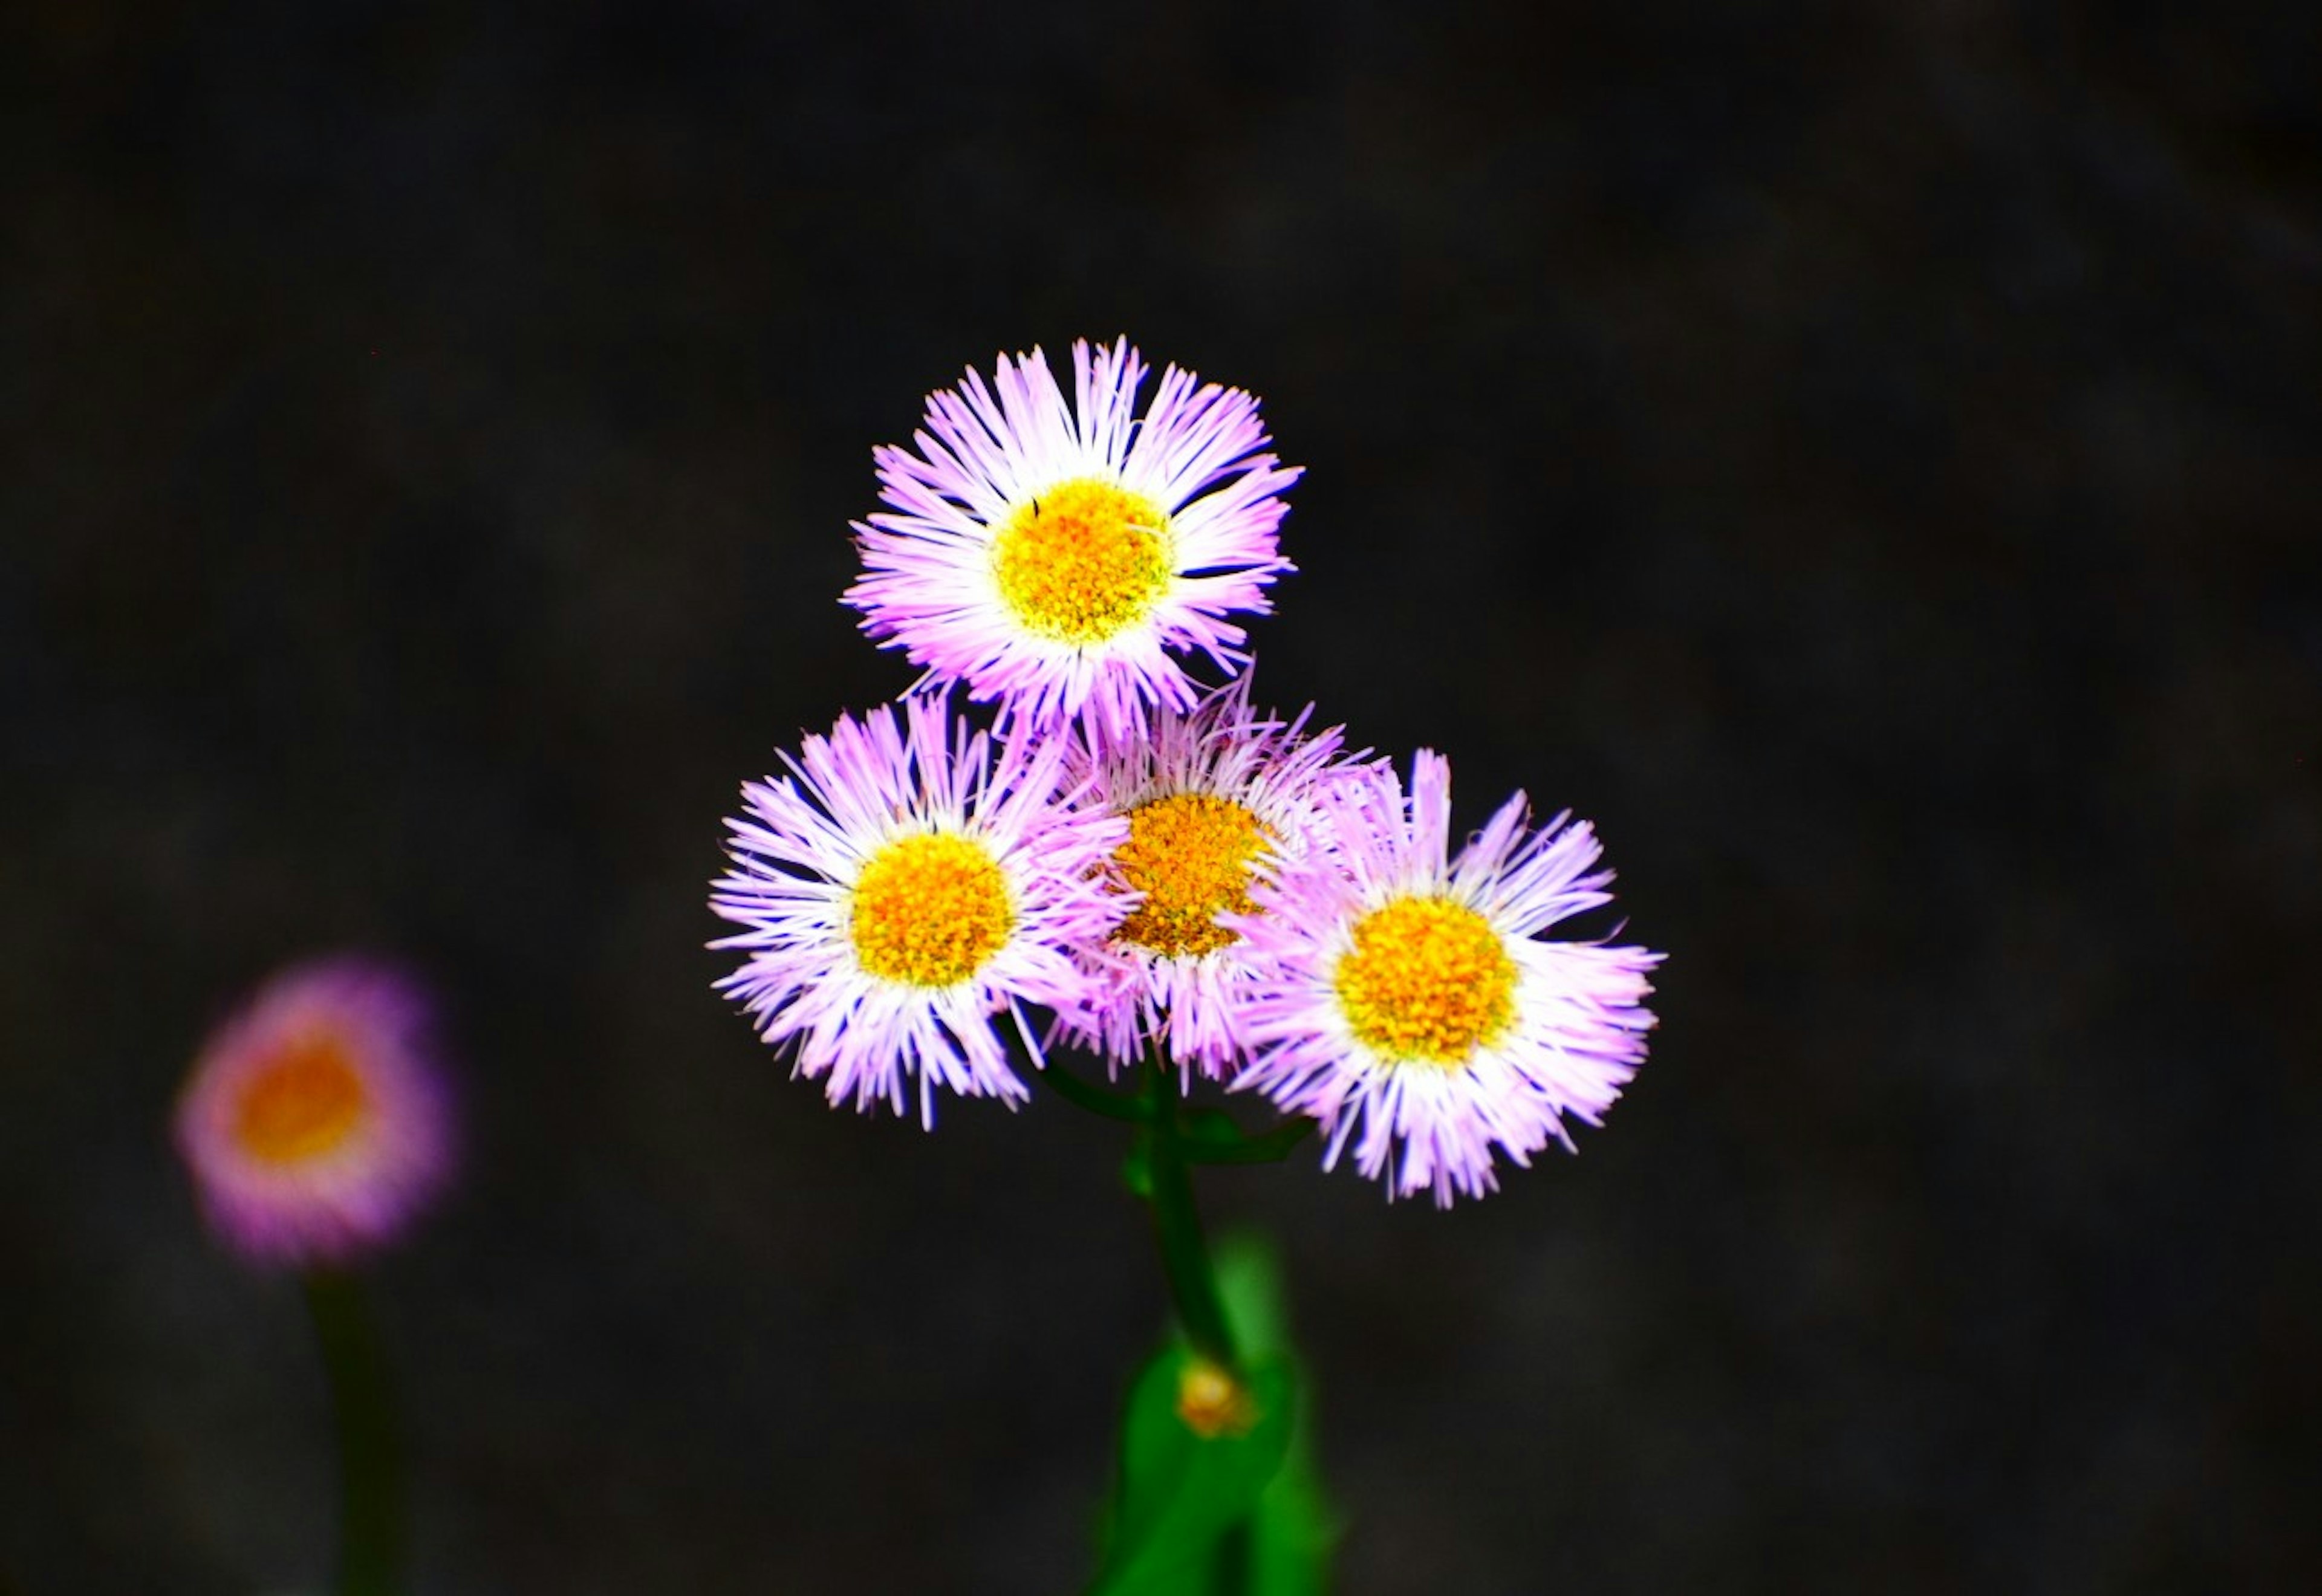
{"x":1094,"y":1098}
{"x":370,"y":1461}
{"x":1272,"y":1147}
{"x":1177,"y":1225}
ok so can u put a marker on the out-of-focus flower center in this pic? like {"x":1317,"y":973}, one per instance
{"x":1190,"y":854}
{"x":1426,"y":979}
{"x":1082,"y":562}
{"x":930,"y":910}
{"x":302,"y":1104}
{"x":1211,"y":1402}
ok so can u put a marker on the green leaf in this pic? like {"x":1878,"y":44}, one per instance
{"x":1174,"y":1513}
{"x":1181,"y":1491}
{"x":1249,"y":1282}
{"x":1293,"y":1530}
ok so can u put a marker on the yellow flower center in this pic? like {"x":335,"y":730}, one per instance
{"x":302,"y":1104}
{"x":1427,"y":979}
{"x":928,"y":910}
{"x":1190,"y":854}
{"x":1084,"y":562}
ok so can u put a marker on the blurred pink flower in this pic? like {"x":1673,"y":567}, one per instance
{"x":318,"y":1122}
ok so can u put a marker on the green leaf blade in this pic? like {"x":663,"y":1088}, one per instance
{"x":1181,"y":1491}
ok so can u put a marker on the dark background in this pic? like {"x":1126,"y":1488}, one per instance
{"x":1867,"y":461}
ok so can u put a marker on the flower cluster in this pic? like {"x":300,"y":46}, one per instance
{"x":1166,"y":871}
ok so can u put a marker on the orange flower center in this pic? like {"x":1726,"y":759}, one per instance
{"x":1082,"y":562}
{"x":303,"y":1104}
{"x":1426,"y":979}
{"x":1190,"y":854}
{"x":928,"y":910}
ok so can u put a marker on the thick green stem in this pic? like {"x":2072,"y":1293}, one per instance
{"x":1113,"y":1105}
{"x":1192,"y":1285}
{"x":370,"y":1461}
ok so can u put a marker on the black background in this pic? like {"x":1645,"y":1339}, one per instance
{"x":1865,"y":460}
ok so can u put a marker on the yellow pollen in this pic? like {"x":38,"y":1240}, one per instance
{"x":1211,"y":1402}
{"x":302,"y":1104}
{"x":1427,"y":979}
{"x":1190,"y":854}
{"x":928,"y":910}
{"x":1084,"y":562}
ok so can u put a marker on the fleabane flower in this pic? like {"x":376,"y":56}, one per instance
{"x":1213,"y":800}
{"x":318,"y":1122}
{"x":901,"y":887}
{"x":1410,"y":1003}
{"x":1055,"y":555}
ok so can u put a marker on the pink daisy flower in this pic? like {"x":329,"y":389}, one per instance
{"x":316,"y":1122}
{"x":1213,"y":799}
{"x":897,"y":890}
{"x":1055,"y":556}
{"x":1409,"y":1002}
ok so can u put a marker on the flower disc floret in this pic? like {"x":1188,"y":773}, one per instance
{"x":1082,"y":562}
{"x":929,"y":911}
{"x":1190,"y":854}
{"x":1426,"y":979}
